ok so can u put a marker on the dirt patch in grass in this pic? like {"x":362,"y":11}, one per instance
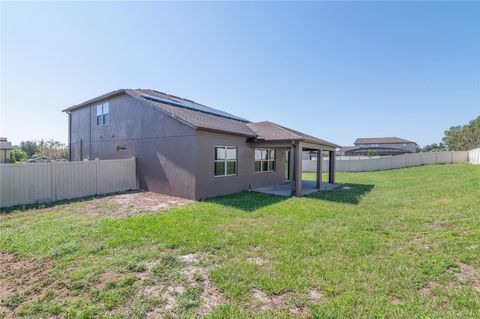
{"x":268,"y":302}
{"x":102,"y":280}
{"x":168,"y":297}
{"x":465,"y":275}
{"x":428,"y":287}
{"x":257,"y":261}
{"x":469,"y":275}
{"x":191,"y":292}
{"x":22,"y":279}
{"x":189,"y":258}
{"x":265,"y":302}
{"x":316,"y":295}
{"x":253,"y":256}
{"x":395,"y":300}
{"x":210,"y":297}
{"x":130,"y":203}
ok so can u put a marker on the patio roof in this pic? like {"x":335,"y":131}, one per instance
{"x":270,"y":132}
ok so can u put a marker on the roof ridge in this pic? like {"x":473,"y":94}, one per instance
{"x":380,"y":137}
{"x":384,"y":140}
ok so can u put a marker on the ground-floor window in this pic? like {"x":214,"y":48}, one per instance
{"x":225,"y":160}
{"x":264,"y":160}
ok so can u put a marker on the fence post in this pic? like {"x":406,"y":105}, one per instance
{"x":135,"y":171}
{"x":96,"y":176}
{"x":52,"y":183}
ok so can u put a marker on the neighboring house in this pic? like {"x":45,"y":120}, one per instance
{"x":380,"y":146}
{"x":5,"y":148}
{"x":187,"y":149}
{"x":342,"y":151}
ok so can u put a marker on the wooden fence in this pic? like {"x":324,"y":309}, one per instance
{"x":390,"y":162}
{"x":48,"y":182}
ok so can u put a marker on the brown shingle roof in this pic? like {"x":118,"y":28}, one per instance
{"x":269,"y":131}
{"x":204,"y":117}
{"x":380,"y":140}
{"x":196,"y":118}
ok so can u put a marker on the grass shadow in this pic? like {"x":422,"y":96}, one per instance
{"x":247,"y":201}
{"x":346,"y":193}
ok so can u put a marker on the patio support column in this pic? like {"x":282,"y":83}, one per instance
{"x":331,"y":167}
{"x":298,"y":169}
{"x":292,"y":169}
{"x":319,"y":169}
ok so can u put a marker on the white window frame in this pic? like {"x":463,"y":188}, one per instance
{"x":103,"y":111}
{"x":225,"y":160}
{"x":274,"y":160}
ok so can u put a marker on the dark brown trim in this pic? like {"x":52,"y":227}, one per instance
{"x":223,"y":132}
{"x":331,"y":167}
{"x":319,"y":169}
{"x":81,"y":149}
{"x":293,"y":179}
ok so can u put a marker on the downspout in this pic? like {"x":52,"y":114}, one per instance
{"x":69,"y":136}
{"x":90,"y":136}
{"x":293,"y":173}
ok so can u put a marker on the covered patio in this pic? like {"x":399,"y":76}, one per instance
{"x":285,"y":189}
{"x":278,"y":137}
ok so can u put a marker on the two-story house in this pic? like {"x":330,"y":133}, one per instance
{"x":187,"y":149}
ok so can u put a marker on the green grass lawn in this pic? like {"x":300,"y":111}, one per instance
{"x":400,"y":243}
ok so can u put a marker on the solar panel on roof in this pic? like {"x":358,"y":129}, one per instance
{"x":195,"y":107}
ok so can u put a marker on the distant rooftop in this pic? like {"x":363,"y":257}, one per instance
{"x":4,"y":145}
{"x":381,"y":140}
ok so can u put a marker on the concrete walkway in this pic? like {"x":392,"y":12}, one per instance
{"x":308,"y":187}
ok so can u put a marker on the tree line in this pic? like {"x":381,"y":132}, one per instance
{"x":457,"y":138}
{"x":51,"y":149}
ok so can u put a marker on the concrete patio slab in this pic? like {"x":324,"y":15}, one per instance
{"x":308,"y":187}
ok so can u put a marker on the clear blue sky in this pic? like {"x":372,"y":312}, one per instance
{"x":334,"y":70}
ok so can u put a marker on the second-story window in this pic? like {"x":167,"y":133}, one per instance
{"x":102,"y":114}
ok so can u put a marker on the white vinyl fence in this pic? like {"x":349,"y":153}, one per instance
{"x":474,"y":156}
{"x":390,"y":162}
{"x":49,"y":182}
